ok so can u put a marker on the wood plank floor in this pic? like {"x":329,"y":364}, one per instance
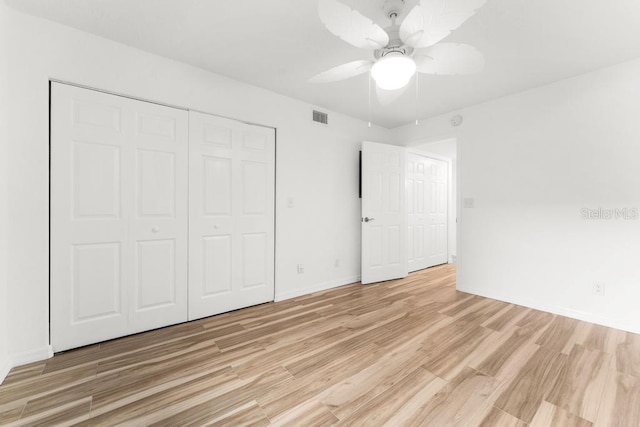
{"x":407,"y":352}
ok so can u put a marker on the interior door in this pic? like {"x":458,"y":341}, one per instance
{"x":437,"y":201}
{"x":417,"y":211}
{"x":384,"y":213}
{"x":88,"y":221}
{"x":231,"y":225}
{"x":158,"y":179}
{"x":118,"y":216}
{"x":427,"y":199}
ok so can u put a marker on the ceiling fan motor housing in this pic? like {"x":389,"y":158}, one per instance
{"x":395,"y":45}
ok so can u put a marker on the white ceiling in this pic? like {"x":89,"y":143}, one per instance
{"x":280,"y":44}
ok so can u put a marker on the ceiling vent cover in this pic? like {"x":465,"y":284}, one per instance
{"x":320,"y":117}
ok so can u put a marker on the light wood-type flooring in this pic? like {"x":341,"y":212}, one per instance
{"x":407,"y":352}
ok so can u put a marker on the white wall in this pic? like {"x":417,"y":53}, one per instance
{"x":4,"y":141}
{"x":316,"y":166}
{"x":532,"y":161}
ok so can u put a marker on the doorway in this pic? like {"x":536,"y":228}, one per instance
{"x":389,"y":186}
{"x":427,"y":189}
{"x":446,"y":150}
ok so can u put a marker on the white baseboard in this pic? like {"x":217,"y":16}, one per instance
{"x":562,"y":311}
{"x":5,"y":367}
{"x":316,"y":288}
{"x":35,"y":355}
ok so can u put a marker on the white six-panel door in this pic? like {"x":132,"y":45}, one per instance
{"x":118,"y":210}
{"x":384,"y":214}
{"x":417,"y":216}
{"x":157,"y":230}
{"x":437,"y":201}
{"x":427,"y":199}
{"x":231,"y":215}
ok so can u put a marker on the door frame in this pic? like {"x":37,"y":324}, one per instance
{"x":456,"y":199}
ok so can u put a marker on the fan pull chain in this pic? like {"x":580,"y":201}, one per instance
{"x":369,"y":99}
{"x":417,"y":99}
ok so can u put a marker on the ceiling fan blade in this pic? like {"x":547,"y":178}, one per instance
{"x":351,"y":26}
{"x":342,"y":72}
{"x":433,"y":20}
{"x":386,"y":97}
{"x":449,"y":59}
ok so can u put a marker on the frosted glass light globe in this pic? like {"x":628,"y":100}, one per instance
{"x":393,"y":71}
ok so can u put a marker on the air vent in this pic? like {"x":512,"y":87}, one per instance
{"x":320,"y":117}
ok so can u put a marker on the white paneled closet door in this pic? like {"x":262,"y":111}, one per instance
{"x":427,"y":200}
{"x":417,"y":216}
{"x":437,"y":203}
{"x":231,"y":215}
{"x":118,"y":216}
{"x":158,"y":229}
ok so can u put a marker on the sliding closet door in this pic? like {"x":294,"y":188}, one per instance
{"x":427,"y":200}
{"x":418,"y":220}
{"x":89,"y":228}
{"x":158,"y":227}
{"x":231,"y":215}
{"x":118,"y":216}
{"x":437,"y":202}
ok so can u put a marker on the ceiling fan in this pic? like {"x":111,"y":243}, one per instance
{"x":402,"y":50}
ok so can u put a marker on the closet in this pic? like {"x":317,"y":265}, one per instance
{"x":158,"y":215}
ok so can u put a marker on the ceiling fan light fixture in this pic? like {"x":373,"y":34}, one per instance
{"x":393,"y":71}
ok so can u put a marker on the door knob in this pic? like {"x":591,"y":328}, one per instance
{"x":367,"y":219}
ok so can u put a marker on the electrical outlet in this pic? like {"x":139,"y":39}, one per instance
{"x":300,"y":268}
{"x":598,"y":289}
{"x":336,"y":264}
